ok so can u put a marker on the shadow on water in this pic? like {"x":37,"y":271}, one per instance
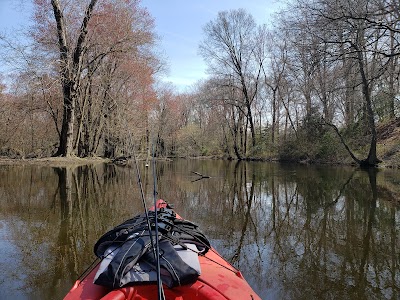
{"x":295,"y":232}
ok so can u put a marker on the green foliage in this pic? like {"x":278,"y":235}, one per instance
{"x":357,"y":136}
{"x":328,"y":146}
{"x":315,"y":142}
{"x":193,"y":141}
{"x":292,"y":150}
{"x":384,"y":104}
{"x":312,"y":126}
{"x":188,"y":140}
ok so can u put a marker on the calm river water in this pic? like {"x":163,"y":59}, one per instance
{"x":296,"y":232}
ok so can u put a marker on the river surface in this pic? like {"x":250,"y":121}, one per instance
{"x":295,"y":232}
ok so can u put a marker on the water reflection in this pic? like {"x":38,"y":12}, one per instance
{"x":295,"y":232}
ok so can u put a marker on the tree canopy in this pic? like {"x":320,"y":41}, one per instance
{"x":318,"y":80}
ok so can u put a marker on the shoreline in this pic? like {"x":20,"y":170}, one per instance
{"x":77,"y":161}
{"x":54,"y":161}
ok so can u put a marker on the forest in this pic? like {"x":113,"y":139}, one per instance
{"x":319,"y":85}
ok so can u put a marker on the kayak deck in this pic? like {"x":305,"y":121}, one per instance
{"x":218,"y":280}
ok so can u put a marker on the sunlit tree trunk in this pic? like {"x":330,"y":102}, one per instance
{"x":70,"y":73}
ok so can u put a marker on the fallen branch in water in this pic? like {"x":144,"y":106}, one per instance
{"x":201,"y":175}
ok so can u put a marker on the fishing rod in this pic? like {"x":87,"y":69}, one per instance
{"x":146,"y":211}
{"x":159,"y":282}
{"x":96,"y":262}
{"x":154,"y":244}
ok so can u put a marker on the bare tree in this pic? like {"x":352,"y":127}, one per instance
{"x":71,"y":62}
{"x":350,"y":35}
{"x":106,"y":64}
{"x":229,"y":50}
{"x":361,"y":44}
{"x":274,"y":77}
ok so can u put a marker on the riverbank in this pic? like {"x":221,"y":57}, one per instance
{"x":325,"y":150}
{"x":391,"y":163}
{"x":54,"y":161}
{"x":388,"y":150}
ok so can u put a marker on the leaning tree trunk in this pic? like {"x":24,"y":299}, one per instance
{"x":372,"y":158}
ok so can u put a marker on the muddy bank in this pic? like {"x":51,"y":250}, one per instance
{"x":54,"y":161}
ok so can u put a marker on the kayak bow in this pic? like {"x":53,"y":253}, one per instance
{"x":218,"y":280}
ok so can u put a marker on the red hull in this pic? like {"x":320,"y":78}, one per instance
{"x":218,"y":280}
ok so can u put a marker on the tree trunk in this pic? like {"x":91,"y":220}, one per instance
{"x":372,"y":159}
{"x":67,"y":129}
{"x":392,"y":74}
{"x":249,"y":115}
{"x":70,"y":72}
{"x":274,"y":90}
{"x":235,"y":134}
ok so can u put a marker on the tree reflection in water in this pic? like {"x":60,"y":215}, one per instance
{"x":296,"y":232}
{"x":300,"y":232}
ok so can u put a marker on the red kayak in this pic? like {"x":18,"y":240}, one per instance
{"x":218,"y":280}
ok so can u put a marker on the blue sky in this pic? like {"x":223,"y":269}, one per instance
{"x":14,"y":14}
{"x":179,"y":23}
